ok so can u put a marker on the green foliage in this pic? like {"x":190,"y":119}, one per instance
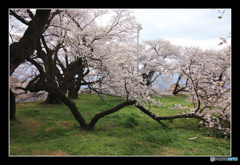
{"x":52,"y":130}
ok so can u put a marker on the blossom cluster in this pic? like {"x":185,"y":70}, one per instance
{"x":210,"y":87}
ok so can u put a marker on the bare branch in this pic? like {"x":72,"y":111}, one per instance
{"x":21,"y":19}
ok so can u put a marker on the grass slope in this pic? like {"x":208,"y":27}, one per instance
{"x":52,"y":130}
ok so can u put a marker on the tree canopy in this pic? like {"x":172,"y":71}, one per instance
{"x":69,"y":48}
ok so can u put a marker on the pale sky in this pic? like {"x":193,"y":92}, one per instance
{"x":190,"y":27}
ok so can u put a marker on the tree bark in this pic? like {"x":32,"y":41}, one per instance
{"x":12,"y":106}
{"x":65,"y":82}
{"x":73,"y":92}
{"x":19,"y":51}
{"x":73,"y":69}
{"x":51,"y":99}
{"x":51,"y":70}
{"x":158,"y":119}
{"x":177,"y":88}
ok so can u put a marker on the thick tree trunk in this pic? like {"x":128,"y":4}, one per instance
{"x":72,"y":93}
{"x":12,"y":106}
{"x":51,"y":99}
{"x":19,"y":51}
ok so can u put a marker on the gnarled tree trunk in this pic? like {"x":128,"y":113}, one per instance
{"x":12,"y":106}
{"x":73,"y":92}
{"x":51,"y":99}
{"x":19,"y":51}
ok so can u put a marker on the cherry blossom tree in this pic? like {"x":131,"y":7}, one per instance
{"x":107,"y":52}
{"x":91,"y":44}
{"x":209,"y":75}
{"x":158,"y":56}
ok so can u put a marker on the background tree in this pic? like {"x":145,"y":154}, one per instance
{"x":157,"y":57}
{"x":178,"y":88}
{"x":209,"y":78}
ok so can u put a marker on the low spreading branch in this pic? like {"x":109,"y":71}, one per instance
{"x":158,"y":119}
{"x":109,"y":111}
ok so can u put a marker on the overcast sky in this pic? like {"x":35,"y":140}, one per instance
{"x":192,"y":27}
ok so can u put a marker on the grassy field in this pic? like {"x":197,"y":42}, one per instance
{"x":52,"y":130}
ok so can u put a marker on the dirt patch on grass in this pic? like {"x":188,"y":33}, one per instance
{"x":83,"y":132}
{"x":29,"y":126}
{"x":207,"y":137}
{"x":221,"y":140}
{"x":141,"y":142}
{"x":50,"y":128}
{"x":66,"y":124}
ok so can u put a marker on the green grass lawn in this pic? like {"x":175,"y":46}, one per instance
{"x":52,"y":130}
